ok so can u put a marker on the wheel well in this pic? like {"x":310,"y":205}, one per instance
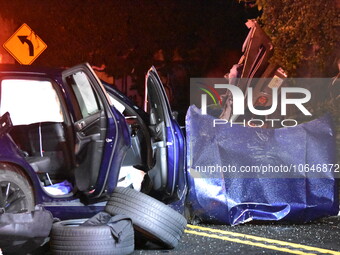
{"x":18,"y":169}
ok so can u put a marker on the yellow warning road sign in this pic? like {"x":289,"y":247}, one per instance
{"x":25,"y":45}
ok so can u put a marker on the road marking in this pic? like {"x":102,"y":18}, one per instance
{"x":235,"y":240}
{"x":258,"y":239}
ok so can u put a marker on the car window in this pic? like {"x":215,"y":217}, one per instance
{"x":30,"y":101}
{"x":86,"y":97}
{"x":119,"y":106}
{"x":155,"y":102}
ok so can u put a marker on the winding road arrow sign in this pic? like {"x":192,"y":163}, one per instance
{"x":25,"y":45}
{"x":23,"y":39}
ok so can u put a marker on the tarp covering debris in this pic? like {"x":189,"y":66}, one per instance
{"x":219,"y":195}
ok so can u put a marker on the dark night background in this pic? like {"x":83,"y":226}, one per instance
{"x":196,"y":38}
{"x":125,"y":34}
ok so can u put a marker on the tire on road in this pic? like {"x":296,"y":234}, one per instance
{"x":69,"y":237}
{"x":16,"y":193}
{"x":152,"y":218}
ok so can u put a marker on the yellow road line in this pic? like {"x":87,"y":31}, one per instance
{"x":263,"y":239}
{"x":235,"y":240}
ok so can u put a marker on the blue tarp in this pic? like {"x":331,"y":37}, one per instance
{"x":218,"y":196}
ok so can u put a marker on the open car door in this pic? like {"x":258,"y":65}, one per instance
{"x":100,"y":133}
{"x":168,"y":173}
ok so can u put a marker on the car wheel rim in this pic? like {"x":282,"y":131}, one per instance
{"x":12,"y":198}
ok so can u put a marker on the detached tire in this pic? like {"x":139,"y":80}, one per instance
{"x":69,"y":237}
{"x":153,"y":219}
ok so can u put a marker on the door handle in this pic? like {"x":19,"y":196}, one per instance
{"x":80,"y":125}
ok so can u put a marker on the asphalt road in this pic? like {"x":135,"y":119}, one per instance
{"x":320,"y":237}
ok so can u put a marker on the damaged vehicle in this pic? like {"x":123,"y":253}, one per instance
{"x":251,"y":172}
{"x":64,"y":139}
{"x":254,"y":70}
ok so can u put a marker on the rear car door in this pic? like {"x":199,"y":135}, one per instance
{"x":101,"y":138}
{"x":168,"y":174}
